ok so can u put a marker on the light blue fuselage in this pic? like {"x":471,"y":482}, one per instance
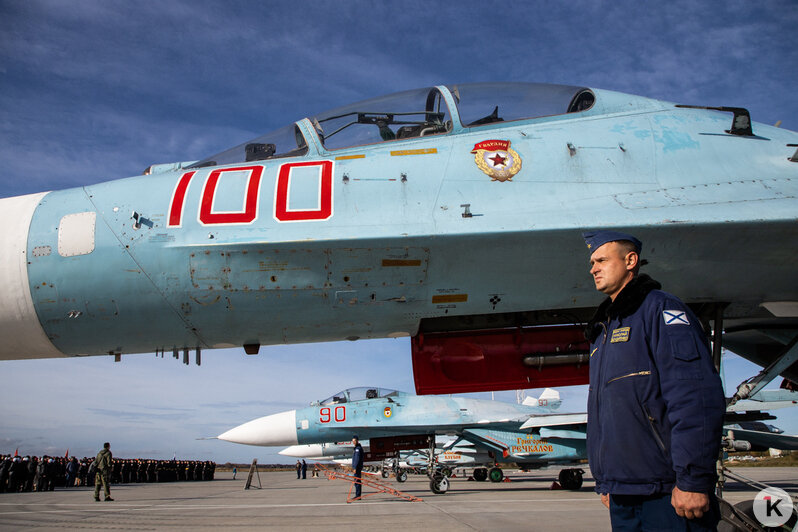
{"x":490,"y":425}
{"x":396,"y":247}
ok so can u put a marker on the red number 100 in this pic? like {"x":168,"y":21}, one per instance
{"x":282,"y":212}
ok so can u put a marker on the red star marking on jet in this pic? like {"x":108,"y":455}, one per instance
{"x":498,"y":160}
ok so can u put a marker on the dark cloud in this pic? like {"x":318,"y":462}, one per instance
{"x":102,"y":89}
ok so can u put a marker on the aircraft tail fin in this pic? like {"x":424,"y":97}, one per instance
{"x":550,"y":399}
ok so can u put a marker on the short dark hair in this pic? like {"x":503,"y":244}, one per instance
{"x":627,"y":246}
{"x":106,"y":445}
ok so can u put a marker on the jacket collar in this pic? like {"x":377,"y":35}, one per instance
{"x":626,"y":303}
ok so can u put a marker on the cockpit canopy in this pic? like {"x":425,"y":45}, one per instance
{"x":412,"y":114}
{"x":479,"y":104}
{"x":409,"y":114}
{"x":358,"y":394}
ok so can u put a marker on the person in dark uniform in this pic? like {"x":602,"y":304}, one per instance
{"x":71,"y":472}
{"x":41,"y":474}
{"x":92,"y":472}
{"x":655,"y":401}
{"x":32,"y":464}
{"x":304,"y":469}
{"x":104,"y":464}
{"x":5,"y":465}
{"x":150,"y":471}
{"x":14,"y":474}
{"x":51,"y":472}
{"x":125,"y":471}
{"x":357,"y":464}
{"x":116,"y":472}
{"x":83,"y":472}
{"x":23,"y":475}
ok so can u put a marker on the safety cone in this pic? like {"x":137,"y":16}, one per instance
{"x":555,"y":486}
{"x":507,"y":479}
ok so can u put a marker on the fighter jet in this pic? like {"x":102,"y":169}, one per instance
{"x":448,"y":455}
{"x":394,"y":421}
{"x":446,"y":459}
{"x":450,"y":214}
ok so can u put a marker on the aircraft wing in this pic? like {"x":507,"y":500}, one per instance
{"x":554,"y":420}
{"x":527,"y":446}
{"x":766,"y":440}
{"x":493,"y":440}
{"x":765,"y":400}
{"x":766,"y":339}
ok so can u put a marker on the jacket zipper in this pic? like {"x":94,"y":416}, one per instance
{"x":630,"y":375}
{"x":654,"y":430}
{"x":601,"y":364}
{"x":598,"y":385}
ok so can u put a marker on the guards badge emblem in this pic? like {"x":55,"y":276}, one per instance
{"x":497,"y":159}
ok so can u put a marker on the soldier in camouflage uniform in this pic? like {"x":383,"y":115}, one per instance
{"x":104,"y":462}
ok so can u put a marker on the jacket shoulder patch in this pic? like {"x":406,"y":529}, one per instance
{"x":675,"y":317}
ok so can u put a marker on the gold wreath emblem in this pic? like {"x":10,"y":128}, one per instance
{"x":387,"y":412}
{"x":499,"y":174}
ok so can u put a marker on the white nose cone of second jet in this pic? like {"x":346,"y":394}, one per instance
{"x":276,"y":429}
{"x":314,"y":450}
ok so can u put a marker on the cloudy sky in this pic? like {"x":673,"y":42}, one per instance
{"x":97,"y":90}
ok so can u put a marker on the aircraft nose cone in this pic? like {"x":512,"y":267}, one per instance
{"x":303,"y":451}
{"x":276,"y":429}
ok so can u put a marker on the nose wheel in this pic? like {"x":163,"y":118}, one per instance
{"x":439,"y":484}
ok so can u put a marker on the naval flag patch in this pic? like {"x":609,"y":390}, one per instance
{"x":675,"y":317}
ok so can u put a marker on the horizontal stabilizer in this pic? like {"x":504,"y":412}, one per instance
{"x":550,"y":398}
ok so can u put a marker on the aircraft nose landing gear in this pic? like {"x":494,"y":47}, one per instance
{"x":439,"y":484}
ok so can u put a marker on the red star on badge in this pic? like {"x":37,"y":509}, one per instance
{"x":498,"y":160}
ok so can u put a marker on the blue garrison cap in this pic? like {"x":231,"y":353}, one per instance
{"x":596,"y":239}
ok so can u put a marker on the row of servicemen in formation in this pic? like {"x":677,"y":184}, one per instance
{"x":30,"y":473}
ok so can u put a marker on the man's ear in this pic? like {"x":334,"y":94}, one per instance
{"x":632,"y":259}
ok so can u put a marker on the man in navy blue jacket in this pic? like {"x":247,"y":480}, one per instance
{"x":655,"y":403}
{"x":357,"y":464}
